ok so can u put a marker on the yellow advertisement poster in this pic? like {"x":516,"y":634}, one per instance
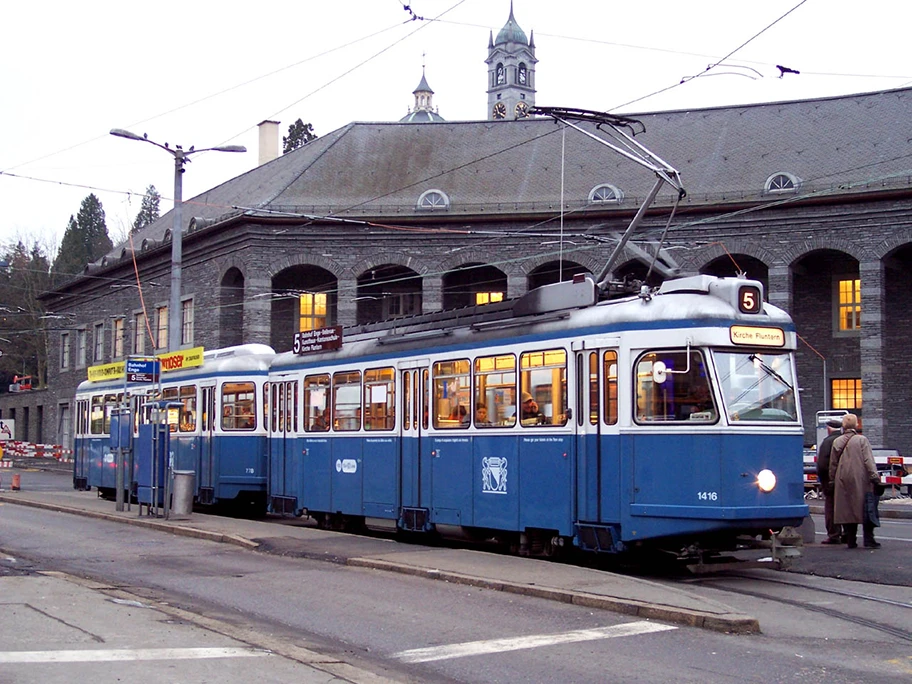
{"x":171,"y":361}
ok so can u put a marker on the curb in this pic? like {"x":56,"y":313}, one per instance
{"x":725,"y":622}
{"x":728,"y":622}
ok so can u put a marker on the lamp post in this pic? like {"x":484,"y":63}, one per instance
{"x":181,"y":157}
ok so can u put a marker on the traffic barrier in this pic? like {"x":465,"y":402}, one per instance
{"x":30,"y":450}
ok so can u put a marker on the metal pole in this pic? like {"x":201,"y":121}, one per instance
{"x":826,"y":388}
{"x":174,"y":308}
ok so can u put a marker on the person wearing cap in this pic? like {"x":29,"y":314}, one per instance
{"x":834,"y":531}
{"x":854,"y":474}
{"x":529,"y":413}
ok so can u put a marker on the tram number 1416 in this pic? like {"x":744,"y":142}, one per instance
{"x":708,"y":496}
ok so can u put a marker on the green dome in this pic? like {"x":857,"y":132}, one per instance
{"x":511,"y":33}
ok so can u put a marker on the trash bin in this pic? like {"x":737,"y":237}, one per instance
{"x":182,"y":494}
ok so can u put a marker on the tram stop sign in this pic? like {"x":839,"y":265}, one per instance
{"x":146,"y":370}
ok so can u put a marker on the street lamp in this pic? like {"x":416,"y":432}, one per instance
{"x":181,"y":157}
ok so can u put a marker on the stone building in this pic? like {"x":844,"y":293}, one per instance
{"x":379,"y":220}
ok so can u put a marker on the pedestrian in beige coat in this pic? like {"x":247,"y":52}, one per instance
{"x":853,"y":471}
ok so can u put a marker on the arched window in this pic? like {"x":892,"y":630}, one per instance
{"x":782,"y":182}
{"x":522,"y":76}
{"x":433,"y":200}
{"x":500,"y":75}
{"x":605,"y":194}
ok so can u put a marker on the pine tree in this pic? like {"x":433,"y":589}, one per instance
{"x":85,"y":240}
{"x":298,"y":134}
{"x":22,"y":321}
{"x":148,"y":212}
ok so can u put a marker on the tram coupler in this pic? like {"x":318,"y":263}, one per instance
{"x":783,"y":546}
{"x":775,"y":552}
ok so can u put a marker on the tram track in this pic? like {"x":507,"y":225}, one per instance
{"x":717,"y":583}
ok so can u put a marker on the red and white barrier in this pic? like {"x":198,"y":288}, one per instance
{"x":31,"y":450}
{"x":895,"y":470}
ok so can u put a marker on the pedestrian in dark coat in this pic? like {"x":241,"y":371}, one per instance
{"x":834,"y":531}
{"x":853,"y":472}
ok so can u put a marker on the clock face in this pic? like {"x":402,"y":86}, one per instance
{"x":500,"y":110}
{"x":522,"y":110}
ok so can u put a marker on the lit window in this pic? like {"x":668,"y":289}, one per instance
{"x":782,"y":183}
{"x":433,"y":200}
{"x":849,"y":305}
{"x":312,"y":311}
{"x":605,"y":194}
{"x":488,"y":297}
{"x":846,"y":393}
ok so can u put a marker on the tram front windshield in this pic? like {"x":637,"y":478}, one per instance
{"x":757,"y":386}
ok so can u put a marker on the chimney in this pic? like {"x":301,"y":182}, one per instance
{"x":269,"y":141}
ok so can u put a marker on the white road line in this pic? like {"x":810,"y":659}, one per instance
{"x":473,"y":648}
{"x":110,"y":655}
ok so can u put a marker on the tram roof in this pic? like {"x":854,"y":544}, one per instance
{"x":699,"y":301}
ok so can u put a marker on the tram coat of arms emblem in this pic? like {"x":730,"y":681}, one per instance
{"x":494,"y":475}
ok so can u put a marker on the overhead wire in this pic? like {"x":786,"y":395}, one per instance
{"x":712,"y":66}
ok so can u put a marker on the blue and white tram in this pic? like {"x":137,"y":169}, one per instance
{"x":216,"y":425}
{"x":668,"y":419}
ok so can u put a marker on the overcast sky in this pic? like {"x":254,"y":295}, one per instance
{"x":206,"y":73}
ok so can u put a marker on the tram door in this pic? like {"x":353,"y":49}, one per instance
{"x":207,"y":457}
{"x":282,"y":403}
{"x":598,"y":442}
{"x":413,"y":422}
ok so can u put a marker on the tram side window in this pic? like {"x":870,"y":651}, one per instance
{"x":495,"y":391}
{"x":452,"y":401}
{"x":425,"y":398}
{"x":672,"y":387}
{"x":112,"y":401}
{"x":96,"y":417}
{"x":275,"y":401}
{"x":346,"y":401}
{"x":82,"y":417}
{"x":380,"y":399}
{"x":238,"y":401}
{"x":316,"y":403}
{"x":610,"y":361}
{"x":170,"y":394}
{"x":291,"y":407}
{"x":187,"y":417}
{"x":543,"y":388}
{"x":407,"y":396}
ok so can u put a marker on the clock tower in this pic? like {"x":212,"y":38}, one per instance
{"x":511,"y":72}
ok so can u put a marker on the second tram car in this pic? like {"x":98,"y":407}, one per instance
{"x":666,"y":420}
{"x":216,"y":425}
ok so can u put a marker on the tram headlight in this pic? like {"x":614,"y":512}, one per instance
{"x":766,"y":480}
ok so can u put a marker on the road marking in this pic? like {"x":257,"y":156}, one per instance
{"x":110,"y":655}
{"x":473,"y":648}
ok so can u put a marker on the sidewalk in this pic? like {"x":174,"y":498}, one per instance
{"x":542,"y":579}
